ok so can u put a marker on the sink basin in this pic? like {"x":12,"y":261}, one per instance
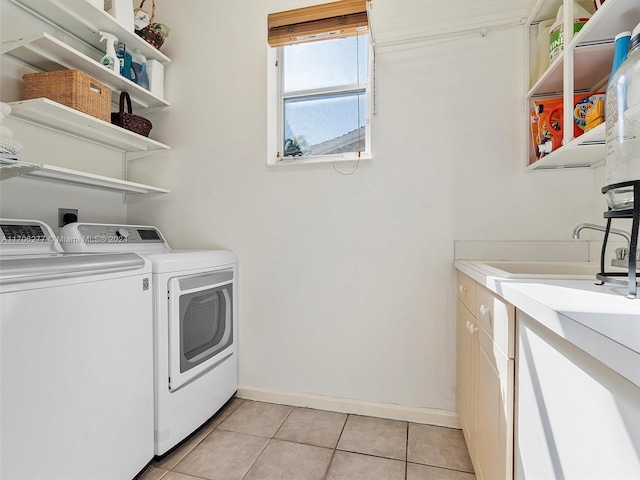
{"x":532,"y":269}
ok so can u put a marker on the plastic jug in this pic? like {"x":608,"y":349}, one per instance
{"x":139,"y":69}
{"x":622,"y":162}
{"x":556,"y":32}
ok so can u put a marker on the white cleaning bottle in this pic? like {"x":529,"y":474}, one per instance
{"x":556,"y":32}
{"x":110,"y":60}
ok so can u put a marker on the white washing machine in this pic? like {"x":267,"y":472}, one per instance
{"x":196,"y":366}
{"x":76,"y":359}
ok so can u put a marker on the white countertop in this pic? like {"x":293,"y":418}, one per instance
{"x":600,"y":320}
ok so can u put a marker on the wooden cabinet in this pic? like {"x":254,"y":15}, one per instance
{"x":466,"y":350}
{"x":486,"y":378}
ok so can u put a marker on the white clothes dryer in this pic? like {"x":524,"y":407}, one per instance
{"x":76,"y":359}
{"x":195,"y":324}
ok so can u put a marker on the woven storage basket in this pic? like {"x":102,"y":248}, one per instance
{"x":71,"y":88}
{"x":128,"y":120}
{"x":149,"y":34}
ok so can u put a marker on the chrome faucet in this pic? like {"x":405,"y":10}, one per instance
{"x":593,"y":226}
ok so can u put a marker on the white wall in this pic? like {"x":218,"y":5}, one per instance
{"x":346,"y":282}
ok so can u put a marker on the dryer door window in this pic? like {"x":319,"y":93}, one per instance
{"x":201,"y":324}
{"x":205,"y":326}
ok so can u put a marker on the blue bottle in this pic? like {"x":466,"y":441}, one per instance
{"x":125,"y":60}
{"x":621,"y":47}
{"x":139,"y":69}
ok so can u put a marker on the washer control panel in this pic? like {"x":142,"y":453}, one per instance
{"x":22,"y":233}
{"x":26,"y":237}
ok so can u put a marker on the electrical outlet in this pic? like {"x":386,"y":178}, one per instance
{"x":67,"y":215}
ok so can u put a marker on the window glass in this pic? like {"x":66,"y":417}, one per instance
{"x":324,"y":97}
{"x":325,"y":63}
{"x":324,"y":124}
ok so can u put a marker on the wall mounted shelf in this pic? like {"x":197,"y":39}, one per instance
{"x":46,"y":53}
{"x":583,"y":67}
{"x":587,"y":150}
{"x":85,"y":21}
{"x":53,"y":115}
{"x":131,"y":191}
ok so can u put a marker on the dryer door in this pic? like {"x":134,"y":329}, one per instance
{"x":201,"y":332}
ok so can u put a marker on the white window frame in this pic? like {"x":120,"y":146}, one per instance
{"x":275,"y":110}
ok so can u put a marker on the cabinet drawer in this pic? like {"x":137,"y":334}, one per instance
{"x":467,"y":291}
{"x":497,"y":317}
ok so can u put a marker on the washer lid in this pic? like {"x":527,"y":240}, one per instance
{"x":22,"y":268}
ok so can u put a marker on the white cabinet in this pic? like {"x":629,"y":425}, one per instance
{"x":576,"y":418}
{"x":44,"y":52}
{"x":583,"y":67}
{"x":486,"y":378}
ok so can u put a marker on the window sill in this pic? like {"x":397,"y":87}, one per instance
{"x":318,"y":160}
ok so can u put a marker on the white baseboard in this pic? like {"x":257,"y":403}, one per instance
{"x":430,"y":416}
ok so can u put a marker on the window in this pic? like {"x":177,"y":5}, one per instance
{"x":321,"y":85}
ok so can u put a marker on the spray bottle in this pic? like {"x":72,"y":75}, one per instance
{"x":110,"y":60}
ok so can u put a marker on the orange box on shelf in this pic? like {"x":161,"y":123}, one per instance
{"x":72,"y":88}
{"x":547,"y":117}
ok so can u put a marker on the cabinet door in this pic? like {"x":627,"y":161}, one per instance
{"x":466,"y":374}
{"x":494,"y":399}
{"x":576,"y":417}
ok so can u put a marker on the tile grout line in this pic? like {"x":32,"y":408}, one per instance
{"x":201,"y":428}
{"x":325,"y":476}
{"x":443,"y":468}
{"x":271,"y":438}
{"x":335,"y":448}
{"x":326,"y":473}
{"x":244,"y":475}
{"x":406,"y":454}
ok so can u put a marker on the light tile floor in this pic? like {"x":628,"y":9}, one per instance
{"x":250,"y":440}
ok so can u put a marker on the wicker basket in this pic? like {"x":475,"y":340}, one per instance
{"x":71,"y":88}
{"x":149,"y":34}
{"x":128,"y":120}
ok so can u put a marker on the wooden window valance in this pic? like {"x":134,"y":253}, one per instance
{"x":319,"y":22}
